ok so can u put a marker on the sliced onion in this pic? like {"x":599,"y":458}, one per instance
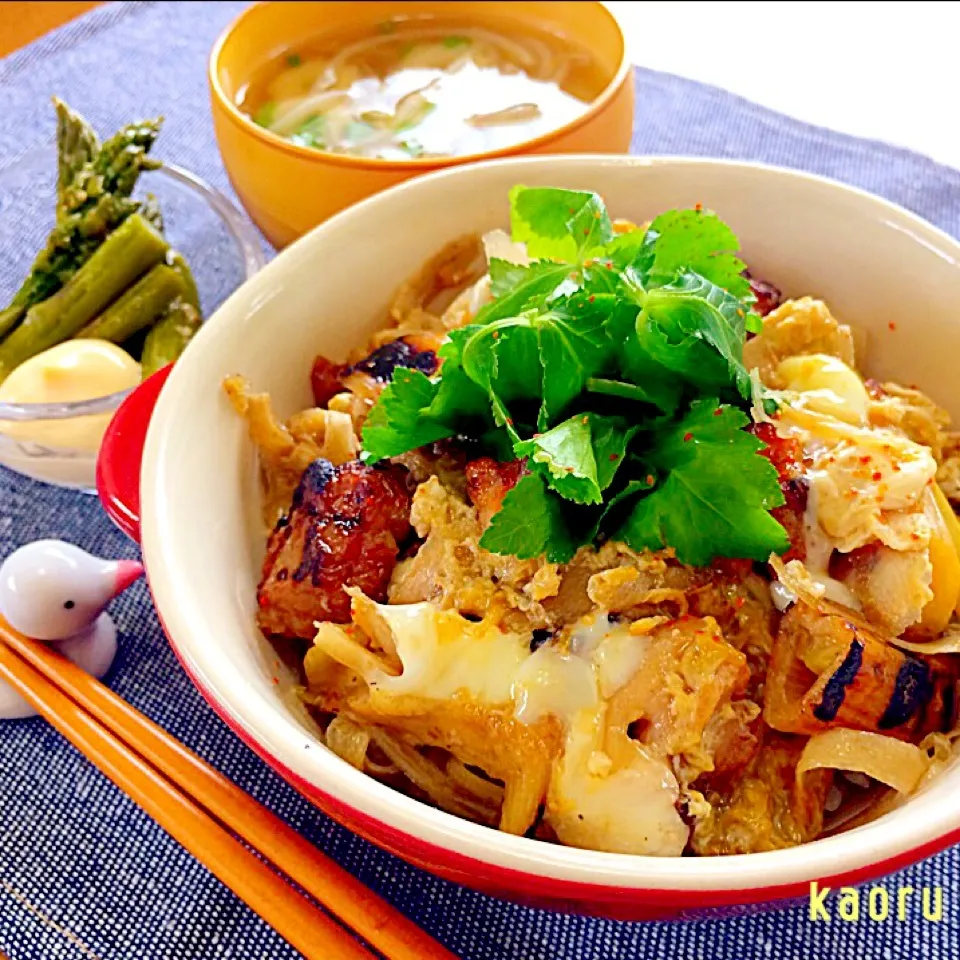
{"x":518,"y":113}
{"x":348,"y":740}
{"x":948,"y":643}
{"x":897,"y":764}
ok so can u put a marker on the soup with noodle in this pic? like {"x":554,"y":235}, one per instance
{"x":423,"y":88}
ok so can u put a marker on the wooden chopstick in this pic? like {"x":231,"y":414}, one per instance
{"x":291,"y":914}
{"x":354,"y":904}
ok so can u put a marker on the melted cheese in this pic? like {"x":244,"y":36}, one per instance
{"x":593,"y":801}
{"x":553,"y":682}
{"x":444,"y":654}
{"x":630,"y":809}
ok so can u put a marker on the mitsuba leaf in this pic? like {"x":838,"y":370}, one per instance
{"x":458,"y":399}
{"x":579,"y":457}
{"x":693,"y":308}
{"x":559,"y":224}
{"x":696,"y":241}
{"x":573,"y":346}
{"x":715,"y":498}
{"x":399,"y":420}
{"x":530,"y":524}
{"x":532,"y":286}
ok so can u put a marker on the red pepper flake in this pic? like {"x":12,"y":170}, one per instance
{"x":495,"y":334}
{"x":698,"y":207}
{"x":914,"y":536}
{"x":276,"y":682}
{"x":891,"y":326}
{"x":650,"y":479}
{"x":586,"y":232}
{"x":739,"y":602}
{"x":572,"y":211}
{"x":688,"y":436}
{"x":866,"y":459}
{"x":877,"y":475}
{"x":608,"y":265}
{"x":509,"y":421}
{"x":591,"y":298}
{"x":614,"y":457}
{"x":718,"y":412}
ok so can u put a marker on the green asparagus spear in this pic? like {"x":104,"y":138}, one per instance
{"x":192,"y":296}
{"x":94,"y":202}
{"x":151,"y":212}
{"x":169,"y":336}
{"x":56,"y":264}
{"x":77,"y":145}
{"x":132,"y":249}
{"x":137,"y":308}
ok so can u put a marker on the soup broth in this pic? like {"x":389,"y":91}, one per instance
{"x":423,"y":88}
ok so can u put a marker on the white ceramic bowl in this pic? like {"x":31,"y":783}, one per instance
{"x":873,"y":262}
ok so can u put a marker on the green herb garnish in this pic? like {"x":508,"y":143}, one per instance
{"x":265,"y":114}
{"x":413,"y":148}
{"x":454,"y":42}
{"x":613,"y":364}
{"x":293,"y":60}
{"x":312,"y":132}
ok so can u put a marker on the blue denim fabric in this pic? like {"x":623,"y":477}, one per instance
{"x":83,"y":872}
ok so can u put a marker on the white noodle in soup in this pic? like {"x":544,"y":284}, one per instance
{"x":423,"y":88}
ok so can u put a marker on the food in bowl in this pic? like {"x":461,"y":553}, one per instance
{"x":600,"y":542}
{"x":105,"y":275}
{"x":423,"y":87}
{"x":287,"y":186}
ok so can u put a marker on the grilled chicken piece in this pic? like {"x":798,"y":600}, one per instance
{"x":787,"y":456}
{"x":831,"y":669}
{"x":325,"y":380}
{"x":343,"y":530}
{"x":414,"y":351}
{"x":488,"y":482}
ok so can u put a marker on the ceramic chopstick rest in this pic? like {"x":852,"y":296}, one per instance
{"x":55,"y":592}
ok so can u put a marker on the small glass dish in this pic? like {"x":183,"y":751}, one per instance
{"x":220,"y":244}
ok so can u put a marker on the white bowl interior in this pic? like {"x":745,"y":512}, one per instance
{"x":873,"y":263}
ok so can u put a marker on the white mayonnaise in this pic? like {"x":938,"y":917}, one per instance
{"x":72,"y":371}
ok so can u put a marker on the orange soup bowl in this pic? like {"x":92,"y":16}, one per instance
{"x":287,"y":189}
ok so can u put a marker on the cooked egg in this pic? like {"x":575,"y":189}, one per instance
{"x":868,"y":483}
{"x":827,"y":386}
{"x":72,"y":371}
